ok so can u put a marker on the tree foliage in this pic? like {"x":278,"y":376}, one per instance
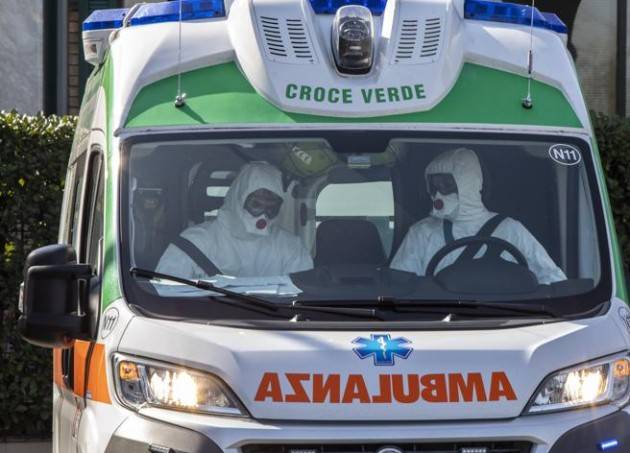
{"x":33,"y":158}
{"x":613,"y":138}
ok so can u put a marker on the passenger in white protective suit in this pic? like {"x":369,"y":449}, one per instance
{"x":238,"y":242}
{"x":464,"y":208}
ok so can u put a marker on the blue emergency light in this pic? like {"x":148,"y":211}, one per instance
{"x":512,"y":13}
{"x":608,"y":445}
{"x":104,"y":19}
{"x":331,"y":6}
{"x":154,"y":13}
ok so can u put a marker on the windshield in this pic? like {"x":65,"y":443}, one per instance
{"x":357,"y":217}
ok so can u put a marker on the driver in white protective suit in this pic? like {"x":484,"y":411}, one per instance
{"x":244,"y":240}
{"x":454,"y":181}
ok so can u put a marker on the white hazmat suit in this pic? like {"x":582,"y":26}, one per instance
{"x":235,"y":242}
{"x":468,"y":214}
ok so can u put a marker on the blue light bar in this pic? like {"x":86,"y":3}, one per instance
{"x":512,"y":13}
{"x":154,"y":13}
{"x":103,"y":19}
{"x":608,"y":445}
{"x":331,"y":6}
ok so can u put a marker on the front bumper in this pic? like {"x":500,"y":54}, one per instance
{"x":569,"y":432}
{"x":142,"y":435}
{"x":593,"y":436}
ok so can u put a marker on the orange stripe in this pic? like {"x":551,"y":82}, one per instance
{"x":57,"y":373}
{"x":97,"y":387}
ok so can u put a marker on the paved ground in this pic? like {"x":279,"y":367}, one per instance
{"x":24,"y":447}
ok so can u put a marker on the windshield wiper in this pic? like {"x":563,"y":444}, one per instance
{"x":420,"y":305}
{"x":252,"y":300}
{"x":207,"y":286}
{"x":507,"y":307}
{"x":339,"y":310}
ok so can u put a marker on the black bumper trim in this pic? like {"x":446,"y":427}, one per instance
{"x":587,"y":438}
{"x":144,"y":435}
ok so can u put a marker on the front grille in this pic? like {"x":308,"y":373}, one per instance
{"x":443,"y":447}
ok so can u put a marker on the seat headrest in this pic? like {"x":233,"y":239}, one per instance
{"x":348,"y":241}
{"x":199,"y":202}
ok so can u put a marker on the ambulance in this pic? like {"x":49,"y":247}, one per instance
{"x":351,"y":309}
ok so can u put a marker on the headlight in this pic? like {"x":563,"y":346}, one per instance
{"x":141,"y":383}
{"x":600,"y":382}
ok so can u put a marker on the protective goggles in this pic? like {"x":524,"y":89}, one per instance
{"x":263,"y":201}
{"x":441,"y":182}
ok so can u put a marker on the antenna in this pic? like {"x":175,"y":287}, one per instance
{"x":180,"y":99}
{"x":528,"y":102}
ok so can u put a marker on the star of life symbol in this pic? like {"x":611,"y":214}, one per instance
{"x":383,"y":348}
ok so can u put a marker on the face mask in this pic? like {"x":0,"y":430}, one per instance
{"x":445,"y":206}
{"x":259,"y":226}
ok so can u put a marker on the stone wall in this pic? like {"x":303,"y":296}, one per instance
{"x":21,"y":54}
{"x":595,"y":39}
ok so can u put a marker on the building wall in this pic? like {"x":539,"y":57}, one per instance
{"x":75,"y":57}
{"x":21,"y":54}
{"x":594,"y":36}
{"x":628,"y":67}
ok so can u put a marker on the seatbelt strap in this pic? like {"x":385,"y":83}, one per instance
{"x":196,"y":255}
{"x":448,"y":231}
{"x":485,"y":231}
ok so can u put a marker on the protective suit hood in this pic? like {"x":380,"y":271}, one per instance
{"x":253,"y":176}
{"x":464,"y":165}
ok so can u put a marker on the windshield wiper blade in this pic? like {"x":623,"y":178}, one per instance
{"x":252,"y":300}
{"x":201,"y":284}
{"x":515,"y":308}
{"x":404,"y":305}
{"x":349,"y":311}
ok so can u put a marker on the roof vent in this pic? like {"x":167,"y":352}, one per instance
{"x":407,"y":40}
{"x":274,"y":42}
{"x":299,"y":39}
{"x":286,"y":40}
{"x":432,"y":38}
{"x":419,"y":41}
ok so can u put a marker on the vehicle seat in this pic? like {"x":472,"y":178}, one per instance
{"x":348,"y":241}
{"x":199,"y":201}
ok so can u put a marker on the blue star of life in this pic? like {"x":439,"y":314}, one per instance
{"x":383,"y":348}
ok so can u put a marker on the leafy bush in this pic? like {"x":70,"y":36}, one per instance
{"x":613,"y":137}
{"x":33,"y":158}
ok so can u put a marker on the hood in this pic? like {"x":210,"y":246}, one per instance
{"x":464,"y":165}
{"x":424,"y":375}
{"x":253,"y":176}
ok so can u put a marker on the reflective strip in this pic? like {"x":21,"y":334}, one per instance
{"x":97,"y":388}
{"x":57,"y":373}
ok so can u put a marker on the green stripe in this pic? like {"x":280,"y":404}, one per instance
{"x":220,"y":94}
{"x":111,"y":287}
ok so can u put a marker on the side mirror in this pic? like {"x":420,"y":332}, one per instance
{"x":53,"y":292}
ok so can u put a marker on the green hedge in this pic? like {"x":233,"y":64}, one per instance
{"x":613,"y":137}
{"x":33,"y":157}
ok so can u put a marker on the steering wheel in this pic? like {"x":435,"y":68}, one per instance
{"x":496,"y":247}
